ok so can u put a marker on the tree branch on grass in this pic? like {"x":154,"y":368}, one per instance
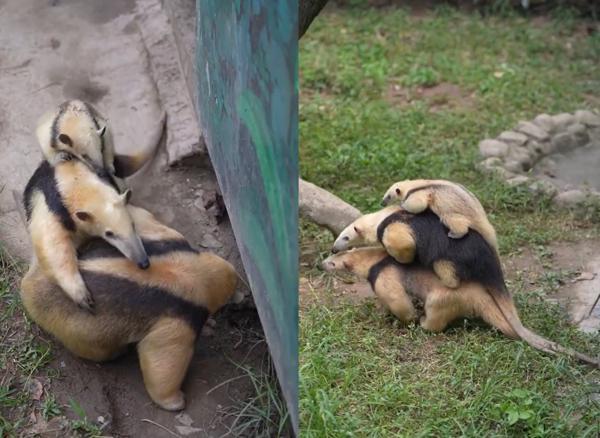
{"x":324,"y":208}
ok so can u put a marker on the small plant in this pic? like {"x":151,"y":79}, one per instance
{"x":50,"y":408}
{"x":421,"y":76}
{"x":518,"y":407}
{"x":89,"y":429}
{"x":265,"y":413}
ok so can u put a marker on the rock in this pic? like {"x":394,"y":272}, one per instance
{"x":207,"y":331}
{"x":543,"y":187}
{"x":209,"y":241}
{"x":562,"y":121}
{"x":490,"y":163}
{"x":184,"y":419}
{"x":569,"y":198}
{"x":512,"y":167}
{"x":493,"y":148}
{"x":199,"y":204}
{"x":536,"y":149}
{"x":595,"y":397}
{"x":512,"y":138}
{"x":237,"y":298}
{"x":533,"y":131}
{"x":594,"y":133}
{"x":563,"y":142}
{"x":520,"y":155}
{"x":187,"y":430}
{"x":587,"y":118}
{"x":519,"y":179}
{"x":545,"y":122}
{"x":579,"y":132}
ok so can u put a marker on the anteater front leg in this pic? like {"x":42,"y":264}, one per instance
{"x":58,"y":258}
{"x":417,"y":202}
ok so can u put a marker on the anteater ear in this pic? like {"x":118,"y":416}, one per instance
{"x":126,"y":196}
{"x":101,"y":131}
{"x":65,"y":139}
{"x":84,"y":216}
{"x":358,"y":230}
{"x":347,"y":266}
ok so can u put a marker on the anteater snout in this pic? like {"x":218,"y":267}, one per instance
{"x":144,"y":265}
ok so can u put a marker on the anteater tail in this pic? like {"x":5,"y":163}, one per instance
{"x":504,"y":301}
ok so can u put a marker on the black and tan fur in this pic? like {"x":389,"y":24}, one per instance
{"x":455,"y":205}
{"x":470,"y":259}
{"x":161,"y":309}
{"x":399,"y":286}
{"x":65,"y":205}
{"x":78,"y":128}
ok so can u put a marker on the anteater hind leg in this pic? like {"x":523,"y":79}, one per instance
{"x":445,"y":272}
{"x":441,"y":308}
{"x":165,"y":355}
{"x":458,"y":225}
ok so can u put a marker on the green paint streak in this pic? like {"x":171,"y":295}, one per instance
{"x":249,"y":108}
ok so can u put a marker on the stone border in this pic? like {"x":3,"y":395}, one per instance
{"x":514,"y":153}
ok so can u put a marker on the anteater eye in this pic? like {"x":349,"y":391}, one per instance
{"x":397,"y":191}
{"x":109,"y":234}
{"x":346,"y":238}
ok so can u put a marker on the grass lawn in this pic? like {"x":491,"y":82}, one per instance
{"x":373,"y":112}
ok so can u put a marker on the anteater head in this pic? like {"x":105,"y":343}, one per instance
{"x":105,"y":215}
{"x":350,"y":237}
{"x":396,"y":193}
{"x":84,"y":141}
{"x":357,"y":261}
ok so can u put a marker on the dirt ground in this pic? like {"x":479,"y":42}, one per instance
{"x":121,"y":57}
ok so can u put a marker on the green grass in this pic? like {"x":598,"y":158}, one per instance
{"x":23,"y":359}
{"x":363,"y":126}
{"x":356,"y":141}
{"x":365,"y":375}
{"x":264,"y":414}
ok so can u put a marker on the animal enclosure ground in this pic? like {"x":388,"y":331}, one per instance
{"x":385,"y":96}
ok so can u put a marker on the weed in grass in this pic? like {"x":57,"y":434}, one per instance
{"x":50,"y":408}
{"x":87,"y":428}
{"x":262,"y":415}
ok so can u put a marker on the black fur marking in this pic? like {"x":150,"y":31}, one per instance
{"x":115,"y":295}
{"x":472,"y":256}
{"x":98,"y":248}
{"x":105,"y":177}
{"x":43,"y":180}
{"x":124,"y":165}
{"x":378,"y":267}
{"x":54,"y":131}
{"x":93,"y":114}
{"x":439,"y":186}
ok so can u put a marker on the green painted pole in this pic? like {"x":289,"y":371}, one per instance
{"x":247,"y":82}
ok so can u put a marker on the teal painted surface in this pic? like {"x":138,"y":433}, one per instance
{"x":247,"y":77}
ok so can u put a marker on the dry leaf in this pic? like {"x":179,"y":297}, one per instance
{"x":585,"y":275}
{"x":36,"y":390}
{"x":498,"y":74}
